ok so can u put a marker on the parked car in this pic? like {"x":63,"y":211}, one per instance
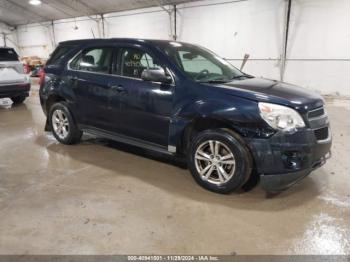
{"x":182,"y":99}
{"x":14,"y":83}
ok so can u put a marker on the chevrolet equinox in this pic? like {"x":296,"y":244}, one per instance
{"x":182,"y":99}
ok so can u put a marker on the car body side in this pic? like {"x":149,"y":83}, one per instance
{"x":193,"y":104}
{"x":196,"y":107}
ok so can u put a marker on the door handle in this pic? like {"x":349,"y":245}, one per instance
{"x":74,"y":81}
{"x":118,"y":89}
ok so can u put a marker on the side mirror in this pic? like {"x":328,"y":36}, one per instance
{"x":189,"y":56}
{"x":156,"y":75}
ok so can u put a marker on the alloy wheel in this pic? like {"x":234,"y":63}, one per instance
{"x":215,"y":162}
{"x":60,"y":124}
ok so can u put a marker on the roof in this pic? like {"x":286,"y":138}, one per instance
{"x":124,"y":40}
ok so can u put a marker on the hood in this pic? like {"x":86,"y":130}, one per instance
{"x":271,"y":91}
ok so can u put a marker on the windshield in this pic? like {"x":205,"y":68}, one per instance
{"x":200,"y":64}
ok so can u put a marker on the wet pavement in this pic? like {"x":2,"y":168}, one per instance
{"x":100,"y":197}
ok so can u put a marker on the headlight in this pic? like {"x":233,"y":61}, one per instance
{"x":281,"y":117}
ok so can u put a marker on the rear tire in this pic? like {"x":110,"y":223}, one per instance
{"x":220,"y":161}
{"x":63,"y":125}
{"x":18,"y":99}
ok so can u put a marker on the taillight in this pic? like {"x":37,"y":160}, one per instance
{"x":26,"y":69}
{"x":41,"y":75}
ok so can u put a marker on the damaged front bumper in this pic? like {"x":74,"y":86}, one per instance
{"x":284,"y":159}
{"x":279,"y":182}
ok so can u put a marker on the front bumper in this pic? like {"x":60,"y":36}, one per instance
{"x":284,"y":159}
{"x":13,"y":90}
{"x":280,"y":182}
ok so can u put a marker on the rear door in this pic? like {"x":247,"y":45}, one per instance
{"x":11,"y":69}
{"x":89,"y":74}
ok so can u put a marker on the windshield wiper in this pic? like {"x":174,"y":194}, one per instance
{"x":244,"y":75}
{"x":236,"y":77}
{"x":215,"y":81}
{"x":222,"y":81}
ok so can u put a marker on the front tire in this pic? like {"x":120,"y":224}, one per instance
{"x":219,"y":161}
{"x":63,"y":125}
{"x":18,"y":99}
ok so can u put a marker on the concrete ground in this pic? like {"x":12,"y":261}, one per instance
{"x":104,"y":198}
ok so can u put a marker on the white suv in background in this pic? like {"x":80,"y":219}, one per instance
{"x":14,"y":83}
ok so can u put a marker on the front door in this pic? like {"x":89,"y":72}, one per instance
{"x":145,"y":107}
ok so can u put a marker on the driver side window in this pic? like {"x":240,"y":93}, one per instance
{"x":134,"y":61}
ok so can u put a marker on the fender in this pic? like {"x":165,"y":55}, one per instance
{"x":236,"y":113}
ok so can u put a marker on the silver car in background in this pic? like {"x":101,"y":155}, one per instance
{"x":14,"y":83}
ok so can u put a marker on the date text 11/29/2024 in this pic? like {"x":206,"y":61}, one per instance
{"x":173,"y":258}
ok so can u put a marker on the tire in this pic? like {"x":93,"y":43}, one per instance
{"x":18,"y":99}
{"x":231,"y":156}
{"x":63,"y":125}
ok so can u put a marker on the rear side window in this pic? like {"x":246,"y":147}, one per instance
{"x":98,"y":60}
{"x":8,"y":54}
{"x":59,"y":53}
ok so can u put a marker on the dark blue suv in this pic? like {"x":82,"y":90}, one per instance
{"x":184,"y":100}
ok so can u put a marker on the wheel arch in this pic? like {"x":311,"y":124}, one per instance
{"x":241,"y":151}
{"x":52,"y":99}
{"x":200,"y":124}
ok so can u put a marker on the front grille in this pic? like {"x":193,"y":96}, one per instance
{"x":322,"y":133}
{"x":316,"y":113}
{"x":317,"y":118}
